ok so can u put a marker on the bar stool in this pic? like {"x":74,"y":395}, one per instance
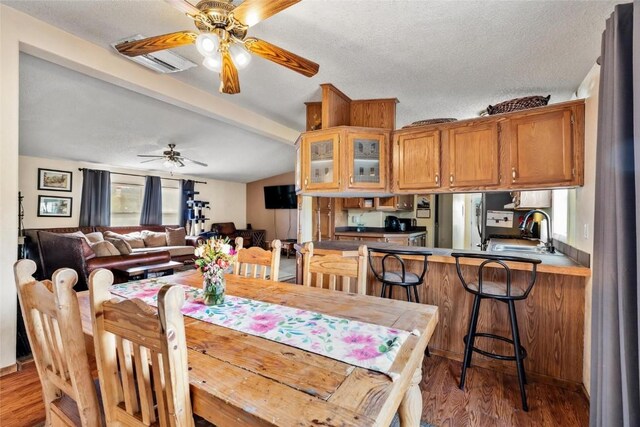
{"x":503,"y":292}
{"x":390,"y":278}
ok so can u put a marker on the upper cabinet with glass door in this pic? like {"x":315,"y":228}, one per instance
{"x":367,"y":159}
{"x":343,"y":158}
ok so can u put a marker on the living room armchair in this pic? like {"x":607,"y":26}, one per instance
{"x":250,"y":237}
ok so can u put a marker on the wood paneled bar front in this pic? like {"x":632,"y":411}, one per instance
{"x":551,"y":319}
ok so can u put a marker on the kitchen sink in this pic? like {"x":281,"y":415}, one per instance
{"x":538,"y":250}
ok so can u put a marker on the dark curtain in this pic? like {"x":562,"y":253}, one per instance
{"x":151,"y":213}
{"x":95,"y":205}
{"x":615,"y":380}
{"x":187,"y":187}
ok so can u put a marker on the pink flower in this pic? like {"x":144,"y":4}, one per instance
{"x":261,"y":327}
{"x":358,"y":339}
{"x":266,"y":317}
{"x":145,"y":293}
{"x":319,"y":330}
{"x":190,"y":308}
{"x":364,"y":353}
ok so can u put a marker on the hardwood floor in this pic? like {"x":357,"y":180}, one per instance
{"x":490,"y":399}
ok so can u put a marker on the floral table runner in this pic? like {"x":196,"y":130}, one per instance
{"x":357,"y":343}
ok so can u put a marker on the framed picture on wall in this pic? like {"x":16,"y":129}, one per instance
{"x":54,"y":206}
{"x":54,"y":180}
{"x":423,"y":213}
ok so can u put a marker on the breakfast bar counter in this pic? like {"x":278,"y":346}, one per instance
{"x":551,"y":319}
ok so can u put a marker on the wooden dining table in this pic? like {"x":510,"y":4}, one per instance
{"x":237,"y":379}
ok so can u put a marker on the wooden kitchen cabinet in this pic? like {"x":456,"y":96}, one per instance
{"x":543,"y":150}
{"x":395,"y":203}
{"x":358,"y":203}
{"x":473,"y":153}
{"x":416,"y":160}
{"x":320,"y":165}
{"x":343,"y":159}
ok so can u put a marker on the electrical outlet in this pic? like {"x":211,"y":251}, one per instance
{"x":585,"y":231}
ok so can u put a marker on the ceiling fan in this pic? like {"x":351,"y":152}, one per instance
{"x":171,"y":158}
{"x":223,"y":38}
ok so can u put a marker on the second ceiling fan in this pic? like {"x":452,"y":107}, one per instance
{"x":223,"y":38}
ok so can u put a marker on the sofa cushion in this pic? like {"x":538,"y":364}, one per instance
{"x":133,"y":239}
{"x":104,"y":248}
{"x":154,"y":239}
{"x":77,"y":234}
{"x":175,"y":251}
{"x":94,"y":237}
{"x":176,"y":236}
{"x":121,"y":245}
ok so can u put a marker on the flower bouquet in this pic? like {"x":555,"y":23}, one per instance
{"x":214,"y":257}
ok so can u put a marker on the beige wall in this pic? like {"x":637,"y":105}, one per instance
{"x":227,"y":199}
{"x":278,"y":223}
{"x":583,"y":199}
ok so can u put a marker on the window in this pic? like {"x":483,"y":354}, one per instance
{"x":126,"y":203}
{"x":171,"y":211}
{"x":560,"y":214}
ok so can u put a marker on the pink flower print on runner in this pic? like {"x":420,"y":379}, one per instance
{"x":357,"y":343}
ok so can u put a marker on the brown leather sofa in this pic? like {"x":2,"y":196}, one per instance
{"x":68,"y":251}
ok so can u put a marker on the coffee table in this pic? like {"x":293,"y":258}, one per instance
{"x":143,"y":271}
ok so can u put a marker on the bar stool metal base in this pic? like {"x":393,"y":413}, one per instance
{"x":519,"y":351}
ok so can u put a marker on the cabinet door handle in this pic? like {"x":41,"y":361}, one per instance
{"x":350,"y":179}
{"x":513,"y":174}
{"x":437,"y":179}
{"x":451,"y":178}
{"x":306,"y":181}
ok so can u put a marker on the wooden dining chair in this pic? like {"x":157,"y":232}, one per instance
{"x":350,"y":270}
{"x":141,"y":355}
{"x":255,"y":261}
{"x":52,"y":318}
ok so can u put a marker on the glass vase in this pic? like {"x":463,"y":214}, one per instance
{"x":214,"y":290}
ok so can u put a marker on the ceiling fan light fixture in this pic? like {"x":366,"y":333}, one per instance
{"x":213,"y":63}
{"x":240,"y":56}
{"x":169,"y":164}
{"x":207,"y":44}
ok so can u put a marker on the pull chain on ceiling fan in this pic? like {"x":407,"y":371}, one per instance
{"x":223,"y":38}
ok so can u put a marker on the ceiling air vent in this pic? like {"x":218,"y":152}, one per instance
{"x":163,"y":61}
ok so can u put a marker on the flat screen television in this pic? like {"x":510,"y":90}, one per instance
{"x":280,"y":197}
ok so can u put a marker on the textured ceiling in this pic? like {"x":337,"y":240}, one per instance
{"x":66,"y":114}
{"x":439,"y":58}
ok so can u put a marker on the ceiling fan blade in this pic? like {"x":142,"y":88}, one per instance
{"x":150,"y":160}
{"x":180,"y":163}
{"x":156,"y":43}
{"x":184,"y":6}
{"x":250,"y":12}
{"x":194,"y":161}
{"x":281,"y":56}
{"x":150,"y":155}
{"x":229,"y":82}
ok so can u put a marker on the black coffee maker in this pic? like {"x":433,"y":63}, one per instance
{"x":391,"y":223}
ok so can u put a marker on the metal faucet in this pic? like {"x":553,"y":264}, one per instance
{"x":548,"y":244}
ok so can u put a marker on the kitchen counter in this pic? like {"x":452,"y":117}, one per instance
{"x":551,"y":319}
{"x":551,"y":263}
{"x":378,"y":231}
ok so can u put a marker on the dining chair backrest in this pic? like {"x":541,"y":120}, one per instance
{"x":255,"y":261}
{"x":52,"y":318}
{"x":350,"y":270}
{"x":141,"y":356}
